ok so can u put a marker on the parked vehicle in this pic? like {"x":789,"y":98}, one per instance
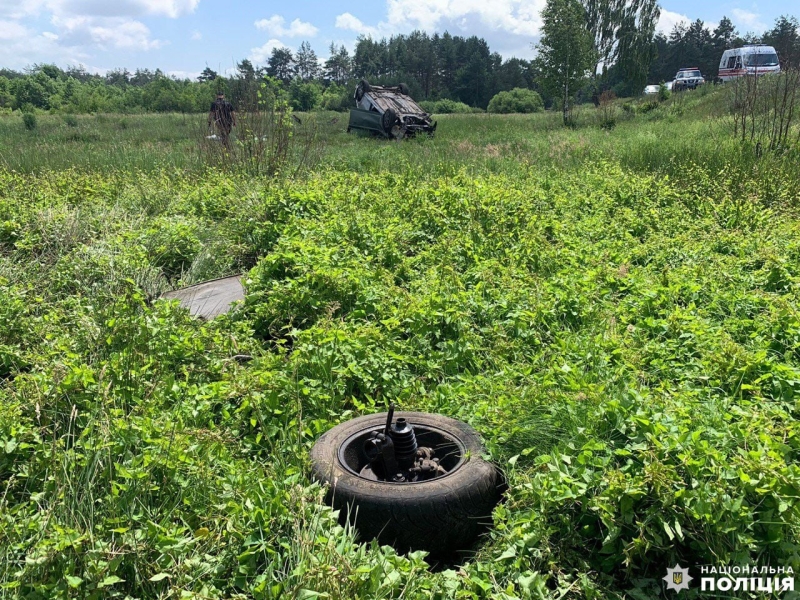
{"x":388,"y":111}
{"x":755,"y":59}
{"x":653,"y":89}
{"x":688,"y":79}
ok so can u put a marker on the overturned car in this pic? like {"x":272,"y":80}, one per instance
{"x":388,"y":111}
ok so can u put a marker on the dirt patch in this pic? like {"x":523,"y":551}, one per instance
{"x":465,"y":146}
{"x":561,"y":149}
{"x":493,"y":151}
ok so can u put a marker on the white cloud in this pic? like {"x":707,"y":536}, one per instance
{"x":11,"y":30}
{"x":16,"y":9}
{"x":510,"y":26}
{"x":669,"y":19}
{"x":80,"y":25}
{"x":350,"y":23}
{"x":517,"y":17}
{"x":262,"y":53}
{"x":21,"y":52}
{"x":122,"y":8}
{"x":748,"y":21}
{"x":184,"y":74}
{"x":276,"y":25}
{"x":106,"y":33}
{"x":196,"y":36}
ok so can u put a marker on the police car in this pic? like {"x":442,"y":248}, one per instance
{"x":688,"y":79}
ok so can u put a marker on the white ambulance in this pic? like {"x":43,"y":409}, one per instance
{"x":748,"y":60}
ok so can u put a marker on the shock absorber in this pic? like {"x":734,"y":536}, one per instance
{"x":405,"y":443}
{"x":392,"y":453}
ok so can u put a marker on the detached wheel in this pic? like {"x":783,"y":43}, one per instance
{"x":439,"y":515}
{"x":404,"y":89}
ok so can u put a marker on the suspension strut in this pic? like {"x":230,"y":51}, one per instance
{"x":395,"y":456}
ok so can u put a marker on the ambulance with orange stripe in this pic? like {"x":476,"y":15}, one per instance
{"x":755,"y":59}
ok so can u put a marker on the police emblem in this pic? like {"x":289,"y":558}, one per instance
{"x":678,"y":578}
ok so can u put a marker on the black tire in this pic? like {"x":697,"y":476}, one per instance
{"x":404,"y":89}
{"x":441,"y":515}
{"x":362,"y":88}
{"x":388,"y":119}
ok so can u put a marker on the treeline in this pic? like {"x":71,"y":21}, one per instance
{"x":442,"y":66}
{"x":73,"y":90}
{"x":438,"y":67}
{"x":696,"y":45}
{"x":434,"y":67}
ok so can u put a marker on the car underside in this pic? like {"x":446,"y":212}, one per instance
{"x":388,"y":111}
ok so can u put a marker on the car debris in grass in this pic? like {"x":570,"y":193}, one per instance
{"x":209,"y":299}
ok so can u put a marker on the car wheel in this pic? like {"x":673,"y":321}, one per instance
{"x":439,"y":515}
{"x":404,"y":89}
{"x":365,"y":86}
{"x":388,"y":120}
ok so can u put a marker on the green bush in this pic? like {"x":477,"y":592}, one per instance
{"x":445,"y":106}
{"x":29,"y":120}
{"x":518,"y":100}
{"x":70,"y":120}
{"x":336,"y":97}
{"x":646,"y":107}
{"x":172,"y":243}
{"x":304,"y":96}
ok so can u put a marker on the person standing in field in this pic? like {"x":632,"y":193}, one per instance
{"x":223,"y":116}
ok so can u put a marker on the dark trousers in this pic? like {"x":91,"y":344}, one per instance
{"x":224,"y":130}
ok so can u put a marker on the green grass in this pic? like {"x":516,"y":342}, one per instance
{"x":101,"y":142}
{"x":687,"y":130}
{"x":615,"y":311}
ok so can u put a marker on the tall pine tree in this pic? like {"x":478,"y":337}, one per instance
{"x":306,"y":63}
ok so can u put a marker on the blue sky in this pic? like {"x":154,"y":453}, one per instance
{"x":183,"y":36}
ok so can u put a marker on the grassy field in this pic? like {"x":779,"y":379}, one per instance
{"x":689,"y":129}
{"x":615,"y":310}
